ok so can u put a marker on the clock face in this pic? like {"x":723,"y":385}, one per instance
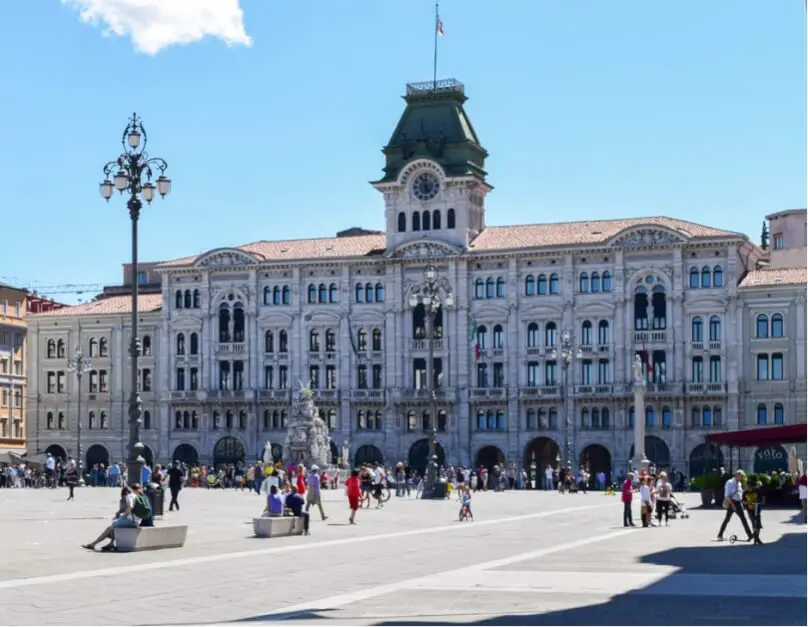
{"x":425,"y":186}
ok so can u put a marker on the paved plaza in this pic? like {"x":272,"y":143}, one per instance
{"x":530,"y":558}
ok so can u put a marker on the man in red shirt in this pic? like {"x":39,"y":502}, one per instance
{"x":627,"y":496}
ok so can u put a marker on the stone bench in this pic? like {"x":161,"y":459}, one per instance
{"x":150,"y":538}
{"x":277,"y":526}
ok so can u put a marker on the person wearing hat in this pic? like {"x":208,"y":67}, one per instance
{"x":175,"y":477}
{"x":313,"y":496}
{"x":733,"y":495}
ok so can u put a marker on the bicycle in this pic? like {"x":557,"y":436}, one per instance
{"x":367,"y":497}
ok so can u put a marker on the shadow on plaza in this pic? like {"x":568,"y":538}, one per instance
{"x":653,"y":605}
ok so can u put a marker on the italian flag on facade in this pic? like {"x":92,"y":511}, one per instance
{"x":475,"y":347}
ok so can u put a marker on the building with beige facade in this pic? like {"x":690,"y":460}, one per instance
{"x":234,"y":331}
{"x":13,"y":368}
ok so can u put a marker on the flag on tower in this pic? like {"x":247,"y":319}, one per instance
{"x":440,"y":27}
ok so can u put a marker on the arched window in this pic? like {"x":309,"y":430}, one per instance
{"x":697,"y":330}
{"x":604,"y":417}
{"x":276,"y":295}
{"x":554,"y":286}
{"x":595,"y":418}
{"x":178,"y":299}
{"x":197,"y":299}
{"x":706,"y":276}
{"x":541,"y":285}
{"x":586,"y":333}
{"x":376,"y":341}
{"x":481,"y":420}
{"x":595,"y":282}
{"x":631,"y":417}
{"x":530,"y":420}
{"x":402,"y":222}
{"x":490,"y":420}
{"x":60,"y":349}
{"x":93,"y":347}
{"x":489,"y":288}
{"x":283,"y":342}
{"x":322,"y":293}
{"x":416,"y":221}
{"x":379,"y":292}
{"x":650,"y":419}
{"x":180,"y":343}
{"x":641,"y":308}
{"x":532,"y":335}
{"x":550,"y":334}
{"x":286,"y":295}
{"x":585,"y":419}
{"x":314,"y":341}
{"x":450,"y":219}
{"x":659,"y":302}
{"x":333,"y":293}
{"x":359,"y":293}
{"x":51,"y":424}
{"x":530,"y":285}
{"x":330,"y":340}
{"x":187,"y":301}
{"x":91,"y":420}
{"x":426,"y":221}
{"x":238,"y":323}
{"x":500,"y":426}
{"x":51,"y":350}
{"x":552,"y":418}
{"x":497,"y":338}
{"x":194,"y":344}
{"x":312,"y":294}
{"x":436,"y":219}
{"x":361,"y":340}
{"x":706,"y":417}
{"x":583,"y":282}
{"x":603,"y":332}
{"x":762,"y":417}
{"x":695,"y":417}
{"x":103,"y":347}
{"x":779,"y":414}
{"x":777,"y":325}
{"x":762,"y":326}
{"x":269,"y":342}
{"x":666,"y":417}
{"x":482,"y":337}
{"x":715,"y":329}
{"x":479,"y":288}
{"x":412,"y":421}
{"x":718,"y":277}
{"x":361,"y":420}
{"x":426,"y":421}
{"x":145,"y":345}
{"x":717,"y":416}
{"x":369,"y":292}
{"x":606,"y":281}
{"x":500,"y":287}
{"x":147,"y":420}
{"x":695,"y":279}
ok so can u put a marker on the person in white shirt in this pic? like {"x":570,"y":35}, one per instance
{"x":645,"y":502}
{"x":733,"y":493}
{"x":548,"y":477}
{"x":664,"y":494}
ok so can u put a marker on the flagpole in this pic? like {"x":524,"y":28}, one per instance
{"x":435,"y":57}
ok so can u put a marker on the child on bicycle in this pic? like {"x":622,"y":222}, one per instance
{"x":465,"y":503}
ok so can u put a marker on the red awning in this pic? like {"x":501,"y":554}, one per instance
{"x":762,"y":436}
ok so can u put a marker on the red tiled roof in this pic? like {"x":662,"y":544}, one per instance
{"x":298,"y":249}
{"x":106,"y":306}
{"x":493,"y":238}
{"x":775,"y":276}
{"x":581,"y":233}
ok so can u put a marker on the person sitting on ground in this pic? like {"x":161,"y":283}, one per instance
{"x":133,"y":509}
{"x":295,"y":504}
{"x":274,"y":506}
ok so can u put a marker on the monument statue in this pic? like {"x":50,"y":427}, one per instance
{"x":639,"y":375}
{"x":268,"y":457}
{"x":307,"y":438}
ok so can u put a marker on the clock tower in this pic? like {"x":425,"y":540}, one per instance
{"x":434,"y":181}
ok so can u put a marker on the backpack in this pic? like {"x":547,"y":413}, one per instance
{"x":142,"y":508}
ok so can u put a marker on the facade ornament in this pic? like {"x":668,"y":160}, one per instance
{"x":639,"y":375}
{"x":226,"y":259}
{"x":424,"y":250}
{"x":668,"y":270}
{"x":647,"y":237}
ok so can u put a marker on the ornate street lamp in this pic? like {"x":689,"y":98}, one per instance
{"x":566,"y":353}
{"x":433,"y":292}
{"x":133,"y":173}
{"x":79,"y":364}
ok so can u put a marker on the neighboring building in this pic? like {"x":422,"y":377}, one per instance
{"x":148,"y":280}
{"x":234,"y":330}
{"x":772,"y":312}
{"x":37,"y":303}
{"x":13,"y":366}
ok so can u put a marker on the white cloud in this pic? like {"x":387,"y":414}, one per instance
{"x":157,"y":24}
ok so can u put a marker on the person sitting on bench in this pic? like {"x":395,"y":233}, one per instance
{"x":295,"y":503}
{"x":274,"y":506}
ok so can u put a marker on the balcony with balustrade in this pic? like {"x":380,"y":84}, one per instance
{"x":540,"y":392}
{"x":230,"y":348}
{"x":421,"y":396}
{"x":373,"y":396}
{"x":488,"y":394}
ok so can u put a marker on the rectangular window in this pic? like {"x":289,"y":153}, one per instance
{"x":331,"y":378}
{"x":499,"y":375}
{"x":419,"y":373}
{"x":283,"y":377}
{"x":147,"y":379}
{"x":103,"y":383}
{"x":4,"y":398}
{"x":378,"y":383}
{"x":51,"y":382}
{"x":777,"y":367}
{"x":697,"y":370}
{"x":533,"y":374}
{"x":604,"y":372}
{"x":194,"y":379}
{"x":142,"y":278}
{"x":550,"y":373}
{"x":779,"y":242}
{"x":269,"y":380}
{"x":715,"y":369}
{"x":180,"y":379}
{"x":482,"y":375}
{"x":362,"y":377}
{"x":60,"y":382}
{"x":314,"y":375}
{"x":763,"y":367}
{"x":224,"y":375}
{"x":586,"y":372}
{"x":238,"y":375}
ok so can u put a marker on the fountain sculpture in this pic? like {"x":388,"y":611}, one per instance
{"x":307,"y":438}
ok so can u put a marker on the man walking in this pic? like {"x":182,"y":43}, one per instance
{"x":175,"y":476}
{"x":313,"y":491}
{"x":733,"y":494}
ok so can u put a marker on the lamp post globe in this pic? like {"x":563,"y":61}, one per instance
{"x":133,"y":172}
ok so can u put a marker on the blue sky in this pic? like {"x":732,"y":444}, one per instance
{"x":589,"y":109}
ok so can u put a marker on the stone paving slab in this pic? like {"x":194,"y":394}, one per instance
{"x":222,"y":575}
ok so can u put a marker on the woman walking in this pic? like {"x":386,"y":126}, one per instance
{"x":71,"y":478}
{"x":663,"y":498}
{"x":354,"y":493}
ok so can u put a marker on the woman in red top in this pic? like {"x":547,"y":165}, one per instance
{"x":354,"y":492}
{"x":301,"y":481}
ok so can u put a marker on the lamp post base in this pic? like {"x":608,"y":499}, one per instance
{"x":641,"y":464}
{"x":134,"y":471}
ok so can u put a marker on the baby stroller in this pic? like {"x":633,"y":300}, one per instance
{"x":677,"y":509}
